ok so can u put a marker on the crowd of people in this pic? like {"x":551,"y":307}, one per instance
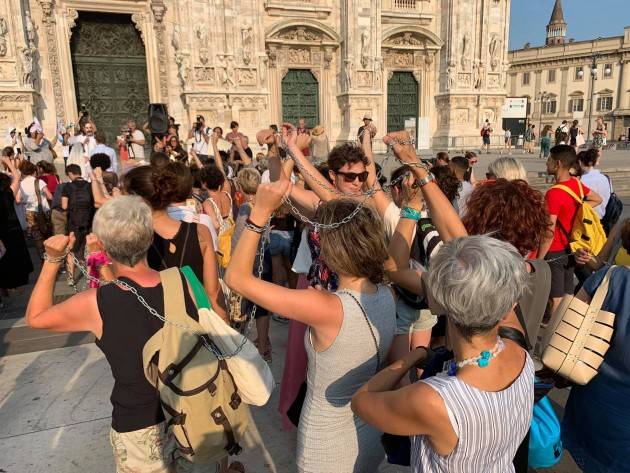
{"x":383,"y":282}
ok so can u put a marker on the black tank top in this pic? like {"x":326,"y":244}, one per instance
{"x":127,"y":326}
{"x":187,"y":251}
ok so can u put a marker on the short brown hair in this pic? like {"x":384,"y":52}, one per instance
{"x":344,"y":154}
{"x":356,"y":248}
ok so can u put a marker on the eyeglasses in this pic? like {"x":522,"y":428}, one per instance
{"x":351,"y":176}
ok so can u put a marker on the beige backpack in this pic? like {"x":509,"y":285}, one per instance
{"x":578,"y":336}
{"x":197,"y":391}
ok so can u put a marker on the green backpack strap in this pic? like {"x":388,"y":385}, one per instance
{"x":201,"y":298}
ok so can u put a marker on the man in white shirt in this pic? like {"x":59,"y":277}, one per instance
{"x":85,"y":138}
{"x":201,"y":134}
{"x":101,"y":147}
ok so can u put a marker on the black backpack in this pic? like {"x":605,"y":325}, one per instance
{"x":614,"y":209}
{"x":80,"y":205}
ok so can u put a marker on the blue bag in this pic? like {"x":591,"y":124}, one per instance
{"x":545,"y":444}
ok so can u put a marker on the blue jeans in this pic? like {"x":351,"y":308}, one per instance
{"x":280,"y":242}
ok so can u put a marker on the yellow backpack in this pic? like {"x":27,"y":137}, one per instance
{"x":587,"y":231}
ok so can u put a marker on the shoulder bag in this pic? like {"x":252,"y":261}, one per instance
{"x":42,"y":218}
{"x":578,"y":336}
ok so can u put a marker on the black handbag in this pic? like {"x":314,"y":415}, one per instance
{"x":614,"y":209}
{"x":295,"y":410}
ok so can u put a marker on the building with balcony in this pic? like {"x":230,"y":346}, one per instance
{"x":436,"y":66}
{"x":574,"y":80}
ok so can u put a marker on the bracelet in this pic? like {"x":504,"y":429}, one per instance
{"x":255,"y":228}
{"x":425,"y":180}
{"x":58,"y":259}
{"x":411,"y":214}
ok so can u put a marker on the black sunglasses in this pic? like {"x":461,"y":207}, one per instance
{"x":351,"y":176}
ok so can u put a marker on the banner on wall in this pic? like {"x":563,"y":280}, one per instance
{"x":515,"y":107}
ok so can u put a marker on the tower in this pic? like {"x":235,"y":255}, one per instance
{"x":557,"y":28}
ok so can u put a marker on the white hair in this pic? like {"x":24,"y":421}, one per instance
{"x":477,"y":280}
{"x":508,"y":168}
{"x":124,"y":225}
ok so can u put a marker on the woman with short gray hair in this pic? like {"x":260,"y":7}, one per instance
{"x":480,"y":410}
{"x":476,"y":413}
{"x":123,"y":229}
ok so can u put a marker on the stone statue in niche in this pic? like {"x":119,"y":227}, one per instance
{"x":202,"y":42}
{"x":225,"y":70}
{"x":494,"y":48}
{"x":365,"y":48}
{"x":480,"y":72}
{"x":466,"y":46}
{"x":347,"y":74}
{"x":272,"y":54}
{"x":262,"y":70}
{"x":30,"y":30}
{"x":378,"y":70}
{"x":27,"y":67}
{"x":248,"y":43}
{"x":4,"y":29}
{"x":451,"y":75}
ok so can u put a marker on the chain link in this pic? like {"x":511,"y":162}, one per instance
{"x":206,"y":340}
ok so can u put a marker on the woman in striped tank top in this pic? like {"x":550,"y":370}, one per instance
{"x":474,"y":416}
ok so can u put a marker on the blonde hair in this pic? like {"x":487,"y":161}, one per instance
{"x":508,"y":168}
{"x":356,"y":248}
{"x":248,"y":179}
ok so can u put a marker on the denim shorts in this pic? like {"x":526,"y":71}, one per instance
{"x":280,"y":242}
{"x":409,"y":320}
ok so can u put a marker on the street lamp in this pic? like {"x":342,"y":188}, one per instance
{"x":541,"y":98}
{"x":594,"y":57}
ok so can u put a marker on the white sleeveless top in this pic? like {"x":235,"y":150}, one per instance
{"x":489,"y":426}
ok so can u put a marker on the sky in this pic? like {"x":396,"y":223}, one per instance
{"x":530,"y":17}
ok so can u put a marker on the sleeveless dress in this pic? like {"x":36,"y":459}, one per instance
{"x":330,"y":438}
{"x":489,"y":425}
{"x":187,"y":250}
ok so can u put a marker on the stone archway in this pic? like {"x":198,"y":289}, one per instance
{"x":293,"y":45}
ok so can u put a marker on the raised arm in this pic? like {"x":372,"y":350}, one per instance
{"x":15,"y":177}
{"x":443,"y":215}
{"x":243,"y":157}
{"x":305,"y":306}
{"x":380,"y":199}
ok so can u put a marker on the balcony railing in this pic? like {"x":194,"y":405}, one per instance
{"x":402,"y":5}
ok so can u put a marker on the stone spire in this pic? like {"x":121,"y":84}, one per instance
{"x":557,"y":27}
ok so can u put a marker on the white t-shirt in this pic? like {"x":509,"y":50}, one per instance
{"x":185,"y":214}
{"x":88,"y":142}
{"x":199,"y":143}
{"x":27,"y":188}
{"x":598,"y":183}
{"x":137,"y":151}
{"x":464,"y":195}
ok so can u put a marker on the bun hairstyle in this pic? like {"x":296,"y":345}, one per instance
{"x":160,"y":187}
{"x":356,"y":248}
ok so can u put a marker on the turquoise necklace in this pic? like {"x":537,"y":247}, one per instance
{"x":482,"y":360}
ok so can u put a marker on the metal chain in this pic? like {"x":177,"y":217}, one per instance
{"x":207,"y":342}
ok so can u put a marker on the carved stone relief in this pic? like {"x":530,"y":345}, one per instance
{"x":26,"y":62}
{"x":494,"y":81}
{"x":139,"y":21}
{"x":246,"y":76}
{"x":378,"y":70}
{"x":299,"y":56}
{"x":464,"y":79}
{"x":328,"y":57}
{"x":451,"y":75}
{"x":71,"y":19}
{"x":364,"y":79}
{"x":347,"y":75}
{"x":466,"y":48}
{"x":399,"y":59}
{"x":7,"y":71}
{"x":205,"y":75}
{"x":256,"y":103}
{"x":14,"y":98}
{"x":53,"y":54}
{"x":461,"y":116}
{"x":406,"y":39}
{"x":300,"y":34}
{"x":262,"y":70}
{"x":272,"y":54}
{"x":480,"y":74}
{"x":159,"y":9}
{"x":4,"y":29}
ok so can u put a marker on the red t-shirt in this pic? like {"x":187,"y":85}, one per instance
{"x":564,"y":206}
{"x":51,"y":182}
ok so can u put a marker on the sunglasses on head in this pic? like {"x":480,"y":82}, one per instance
{"x":351,"y":176}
